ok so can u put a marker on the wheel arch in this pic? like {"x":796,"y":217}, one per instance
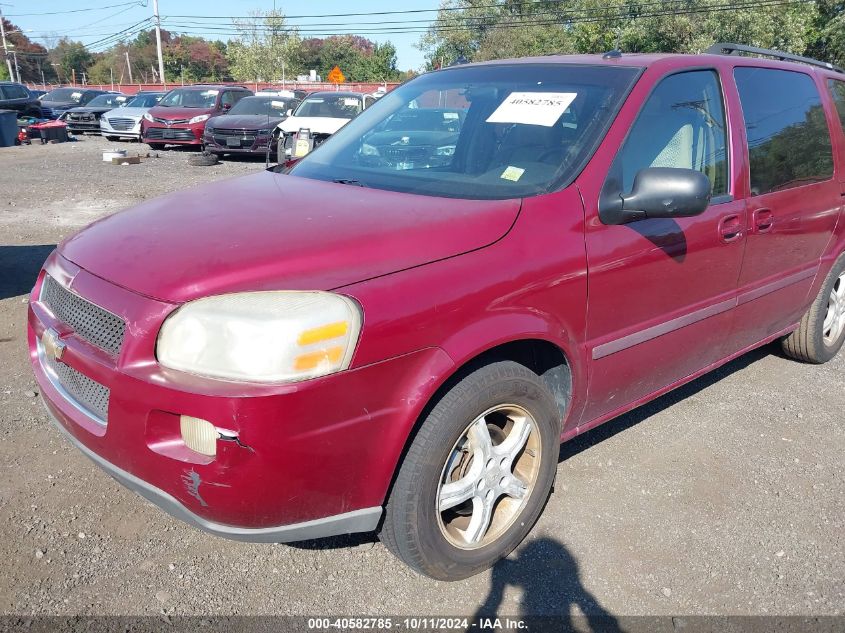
{"x":536,"y":351}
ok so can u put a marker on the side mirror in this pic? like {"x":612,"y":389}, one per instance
{"x":227,"y":106}
{"x":289,"y":112}
{"x":659,"y":192}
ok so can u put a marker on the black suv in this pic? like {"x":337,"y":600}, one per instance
{"x":59,"y":100}
{"x":17,"y":97}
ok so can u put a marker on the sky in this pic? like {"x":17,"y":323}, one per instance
{"x":100,"y":22}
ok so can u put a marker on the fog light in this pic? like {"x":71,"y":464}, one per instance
{"x":199,"y":435}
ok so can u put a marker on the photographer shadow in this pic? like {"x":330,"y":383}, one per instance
{"x":551,"y":586}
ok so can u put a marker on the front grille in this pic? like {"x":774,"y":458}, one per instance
{"x":47,"y":113}
{"x":82,"y":391}
{"x":122,"y":124}
{"x":407,"y":154}
{"x":170,"y":121}
{"x":232,"y":132}
{"x":81,"y":117}
{"x":168,"y":134}
{"x":90,"y":322}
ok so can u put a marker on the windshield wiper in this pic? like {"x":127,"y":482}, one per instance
{"x":349,"y":181}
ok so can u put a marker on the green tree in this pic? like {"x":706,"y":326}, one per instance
{"x":72,"y":59}
{"x":479,"y":29}
{"x":264,"y":49}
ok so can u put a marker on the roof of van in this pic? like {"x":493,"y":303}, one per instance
{"x":644,"y":60}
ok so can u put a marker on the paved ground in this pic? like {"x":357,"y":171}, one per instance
{"x":725,"y":497}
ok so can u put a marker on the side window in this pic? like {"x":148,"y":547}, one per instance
{"x":12,"y":91}
{"x":788,"y":138}
{"x":837,"y":91}
{"x":227,"y":98}
{"x":368,"y":101}
{"x":238,"y":95}
{"x":682,"y":124}
{"x":3,"y":93}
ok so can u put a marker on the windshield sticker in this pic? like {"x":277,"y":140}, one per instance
{"x":512,"y":173}
{"x":210,"y":93}
{"x":75,"y":95}
{"x":315,"y":100}
{"x":533,"y":108}
{"x":277,"y":104}
{"x":451,"y":115}
{"x":350,"y":101}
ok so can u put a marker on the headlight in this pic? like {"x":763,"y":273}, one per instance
{"x":199,"y":118}
{"x":262,"y":132}
{"x":267,"y":337}
{"x":445,"y":150}
{"x":148,"y":117}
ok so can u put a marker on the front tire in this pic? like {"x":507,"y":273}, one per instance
{"x":821,"y":333}
{"x":156,"y":146}
{"x":477,"y":475}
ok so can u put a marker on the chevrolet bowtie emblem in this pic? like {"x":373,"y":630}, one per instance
{"x":52,"y":344}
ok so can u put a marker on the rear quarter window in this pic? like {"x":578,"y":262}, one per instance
{"x":788,"y":137}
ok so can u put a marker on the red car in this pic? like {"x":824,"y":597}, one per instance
{"x":400,"y":345}
{"x":179,"y":118}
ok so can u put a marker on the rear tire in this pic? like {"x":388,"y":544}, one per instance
{"x":821,"y":333}
{"x":156,"y":146}
{"x":113,"y":138}
{"x":448,"y":476}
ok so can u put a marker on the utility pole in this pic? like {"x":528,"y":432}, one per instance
{"x":129,"y":66}
{"x":17,"y":68}
{"x":158,"y":41}
{"x":5,"y":46}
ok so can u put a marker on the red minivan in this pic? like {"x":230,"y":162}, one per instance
{"x":180,"y":117}
{"x":397,"y":336}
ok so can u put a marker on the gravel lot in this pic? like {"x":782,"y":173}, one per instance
{"x":724,"y":497}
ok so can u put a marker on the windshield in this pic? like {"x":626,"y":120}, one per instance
{"x":144,"y":101}
{"x":330,"y":106}
{"x":477,"y":132}
{"x":111,"y":101}
{"x":63,"y":94}
{"x":274,"y":107}
{"x":182,"y":98}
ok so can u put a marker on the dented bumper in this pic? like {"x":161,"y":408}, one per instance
{"x":311,"y":459}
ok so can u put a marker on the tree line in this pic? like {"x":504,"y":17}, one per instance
{"x":481,"y":30}
{"x":264,"y":49}
{"x":267,"y":48}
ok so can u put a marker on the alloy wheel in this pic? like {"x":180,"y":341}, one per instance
{"x":834,"y":320}
{"x":488,"y":477}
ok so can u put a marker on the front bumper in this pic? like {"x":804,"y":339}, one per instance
{"x":247,"y":143}
{"x":312,"y":459}
{"x":107,"y":130}
{"x":364,"y":520}
{"x":178,"y":134}
{"x":83,"y":126}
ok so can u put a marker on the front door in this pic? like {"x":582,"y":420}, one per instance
{"x":662,"y":291}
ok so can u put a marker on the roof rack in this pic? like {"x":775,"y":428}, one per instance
{"x":725,"y":48}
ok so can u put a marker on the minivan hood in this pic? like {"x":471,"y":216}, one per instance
{"x":268,"y":231}
{"x":317,"y":124}
{"x":165,"y":112}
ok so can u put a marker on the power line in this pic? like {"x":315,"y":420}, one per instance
{"x":564,"y":19}
{"x":111,"y":6}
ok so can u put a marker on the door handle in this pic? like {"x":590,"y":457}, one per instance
{"x":730,"y":228}
{"x":764,"y":220}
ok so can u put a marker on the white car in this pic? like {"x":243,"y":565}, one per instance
{"x":125,"y":122}
{"x":321,"y":114}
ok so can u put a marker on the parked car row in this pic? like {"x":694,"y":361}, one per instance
{"x":286,"y":123}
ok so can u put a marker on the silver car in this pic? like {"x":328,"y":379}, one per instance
{"x":125,"y":122}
